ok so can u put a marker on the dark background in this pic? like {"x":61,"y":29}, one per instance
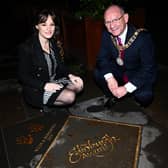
{"x":16,"y":24}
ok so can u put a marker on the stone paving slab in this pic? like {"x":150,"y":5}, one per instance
{"x":153,"y":136}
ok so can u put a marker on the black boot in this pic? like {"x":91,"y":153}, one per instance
{"x":111,"y":101}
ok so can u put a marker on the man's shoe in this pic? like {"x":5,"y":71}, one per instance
{"x":99,"y":108}
{"x":110,"y":102}
{"x":95,"y":108}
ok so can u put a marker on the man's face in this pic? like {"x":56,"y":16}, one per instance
{"x":115,"y":20}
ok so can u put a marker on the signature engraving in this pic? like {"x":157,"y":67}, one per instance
{"x":30,"y":134}
{"x":33,"y":128}
{"x":28,"y":139}
{"x":90,"y":149}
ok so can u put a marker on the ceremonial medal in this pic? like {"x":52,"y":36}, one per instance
{"x":119,"y":61}
{"x":120,"y":49}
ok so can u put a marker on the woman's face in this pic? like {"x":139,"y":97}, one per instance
{"x":46,"y":29}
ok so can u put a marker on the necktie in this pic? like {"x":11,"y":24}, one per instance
{"x":121,"y":55}
{"x":121,"y":50}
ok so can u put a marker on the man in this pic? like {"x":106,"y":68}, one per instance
{"x":125,"y":63}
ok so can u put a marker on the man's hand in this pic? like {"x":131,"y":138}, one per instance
{"x":112,"y":84}
{"x":117,"y":91}
{"x":120,"y":91}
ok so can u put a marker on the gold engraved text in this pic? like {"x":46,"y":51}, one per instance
{"x":32,"y":130}
{"x":28,"y":139}
{"x":90,"y":149}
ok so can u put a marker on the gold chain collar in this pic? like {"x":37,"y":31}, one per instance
{"x":130,"y":41}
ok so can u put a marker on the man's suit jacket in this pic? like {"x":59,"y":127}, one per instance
{"x":139,"y":58}
{"x":33,"y":70}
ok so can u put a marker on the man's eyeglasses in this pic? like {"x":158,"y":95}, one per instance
{"x":113,"y":21}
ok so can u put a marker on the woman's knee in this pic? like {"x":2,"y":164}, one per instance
{"x":69,"y":98}
{"x":78,"y":88}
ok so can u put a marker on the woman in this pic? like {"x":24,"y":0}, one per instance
{"x":45,"y":79}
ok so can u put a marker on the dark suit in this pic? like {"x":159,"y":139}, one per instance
{"x":33,"y":70}
{"x":139,"y":63}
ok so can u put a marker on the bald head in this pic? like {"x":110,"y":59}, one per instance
{"x":115,"y":9}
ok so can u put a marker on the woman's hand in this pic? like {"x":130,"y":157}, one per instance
{"x":52,"y":87}
{"x":76,"y":80}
